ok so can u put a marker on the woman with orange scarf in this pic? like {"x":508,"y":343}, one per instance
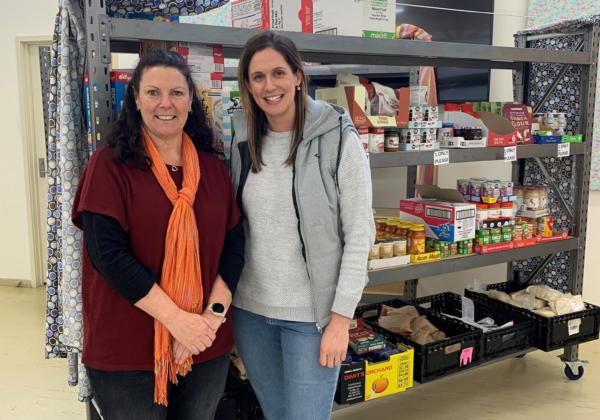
{"x":163,"y":253}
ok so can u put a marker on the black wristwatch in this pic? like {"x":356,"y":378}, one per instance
{"x":217,"y":309}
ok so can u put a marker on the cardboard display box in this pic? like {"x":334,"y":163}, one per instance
{"x":363,"y":381}
{"x":362,"y":18}
{"x":444,"y":212}
{"x":355,"y":99}
{"x":497,"y":129}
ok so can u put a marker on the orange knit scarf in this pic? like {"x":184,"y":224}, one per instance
{"x":181,"y":277}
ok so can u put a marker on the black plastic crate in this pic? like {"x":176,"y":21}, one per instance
{"x":549,"y":333}
{"x":494,"y":344}
{"x":435,"y":359}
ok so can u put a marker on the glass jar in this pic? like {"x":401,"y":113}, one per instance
{"x":482,"y":213}
{"x":543,"y":193}
{"x":532,"y":198}
{"x":506,"y":210}
{"x":390,"y":229}
{"x":417,"y":239}
{"x":494,"y":211}
{"x":391,"y":141}
{"x":399,"y":247}
{"x":380,"y":225}
{"x":374,"y":253}
{"x":402,"y":230}
{"x":387,"y":250}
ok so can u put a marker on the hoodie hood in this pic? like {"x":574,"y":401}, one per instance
{"x":322,"y":117}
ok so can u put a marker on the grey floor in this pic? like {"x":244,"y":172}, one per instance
{"x":533,"y":387}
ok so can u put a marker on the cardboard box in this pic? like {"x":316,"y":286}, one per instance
{"x":388,"y":262}
{"x":434,"y":145}
{"x":497,"y":129}
{"x":221,"y":16}
{"x":250,"y":14}
{"x":403,"y":95}
{"x":461,"y":143}
{"x":118,"y":86}
{"x":355,"y":99}
{"x":363,"y":381}
{"x":520,"y":118}
{"x":292,"y":15}
{"x":362,"y":18}
{"x":425,"y":257}
{"x":282,"y":15}
{"x":443,"y":211}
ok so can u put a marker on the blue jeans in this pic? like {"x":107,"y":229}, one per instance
{"x":129,"y":395}
{"x":282,"y":362}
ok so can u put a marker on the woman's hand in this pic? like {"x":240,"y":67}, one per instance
{"x":195,"y":332}
{"x":180,"y":352}
{"x":334,"y":343}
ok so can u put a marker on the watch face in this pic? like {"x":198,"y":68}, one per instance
{"x":218,"y":308}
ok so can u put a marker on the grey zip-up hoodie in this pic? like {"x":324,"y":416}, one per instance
{"x":332,"y":197}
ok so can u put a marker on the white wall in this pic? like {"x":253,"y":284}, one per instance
{"x":591,"y":277}
{"x":28,"y":19}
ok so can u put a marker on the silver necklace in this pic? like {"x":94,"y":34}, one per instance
{"x":174,"y":168}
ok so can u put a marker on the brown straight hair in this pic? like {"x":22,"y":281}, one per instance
{"x":256,"y":118}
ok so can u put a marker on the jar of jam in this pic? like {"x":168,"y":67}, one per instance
{"x":494,"y":211}
{"x":402,"y":230}
{"x":506,"y":210}
{"x":417,"y":239}
{"x":390,"y":229}
{"x":380,"y":225}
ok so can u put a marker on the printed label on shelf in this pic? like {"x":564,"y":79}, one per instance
{"x":574,"y":326}
{"x":441,"y":157}
{"x":510,"y":154}
{"x":564,"y":150}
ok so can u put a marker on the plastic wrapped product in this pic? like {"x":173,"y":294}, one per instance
{"x":567,"y":305}
{"x":400,"y":324}
{"x":545,"y":311}
{"x":544,"y":292}
{"x":408,"y":310}
{"x":525,"y":300}
{"x":501,"y":296}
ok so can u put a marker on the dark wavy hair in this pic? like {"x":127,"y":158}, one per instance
{"x":124,"y":134}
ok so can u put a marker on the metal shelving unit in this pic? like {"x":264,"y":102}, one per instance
{"x":106,"y":35}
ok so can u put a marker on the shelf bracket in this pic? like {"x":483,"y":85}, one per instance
{"x":552,"y":184}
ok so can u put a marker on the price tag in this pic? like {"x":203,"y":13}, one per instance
{"x":441,"y":157}
{"x":564,"y":150}
{"x":573,"y":326}
{"x":510,"y":154}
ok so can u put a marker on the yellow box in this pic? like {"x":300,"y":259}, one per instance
{"x":426,"y":257}
{"x":390,"y":377}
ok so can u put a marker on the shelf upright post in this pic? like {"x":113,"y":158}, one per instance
{"x":520,"y":89}
{"x":101,"y":113}
{"x":583,"y":168}
{"x":98,"y":60}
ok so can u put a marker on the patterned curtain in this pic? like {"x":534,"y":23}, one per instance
{"x":67,"y":155}
{"x":547,"y":15}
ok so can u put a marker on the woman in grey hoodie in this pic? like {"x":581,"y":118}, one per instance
{"x":303,"y":185}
